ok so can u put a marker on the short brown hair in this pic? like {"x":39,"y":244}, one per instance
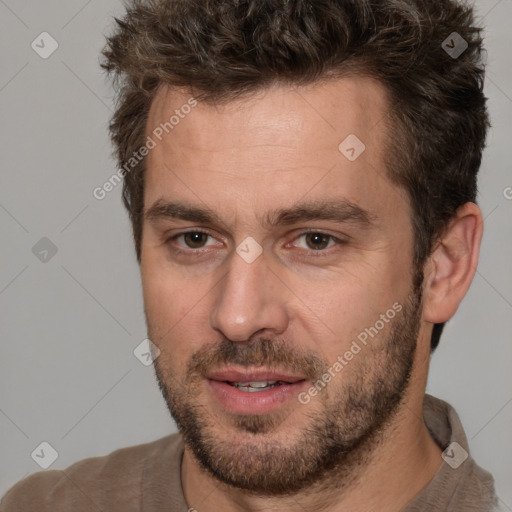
{"x":222,"y":49}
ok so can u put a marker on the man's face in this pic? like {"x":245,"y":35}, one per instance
{"x":304,"y":261}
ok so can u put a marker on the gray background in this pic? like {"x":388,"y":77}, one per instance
{"x":68,"y":375}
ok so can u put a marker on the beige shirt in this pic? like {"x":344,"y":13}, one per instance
{"x":147,"y":478}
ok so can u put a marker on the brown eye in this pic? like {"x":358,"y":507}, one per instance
{"x":195,"y":239}
{"x":317,"y":241}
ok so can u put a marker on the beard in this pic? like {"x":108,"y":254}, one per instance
{"x":340,"y":432}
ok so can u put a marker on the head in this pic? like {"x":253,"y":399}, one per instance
{"x":260,"y":118}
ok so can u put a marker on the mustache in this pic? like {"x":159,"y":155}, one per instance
{"x":272,"y":354}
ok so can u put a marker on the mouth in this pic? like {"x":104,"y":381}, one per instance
{"x":254,"y":392}
{"x":251,"y":387}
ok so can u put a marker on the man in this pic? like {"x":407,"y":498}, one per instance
{"x":301,"y":181}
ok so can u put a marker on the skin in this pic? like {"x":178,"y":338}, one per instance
{"x":243,"y":159}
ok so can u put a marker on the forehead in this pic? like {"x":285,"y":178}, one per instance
{"x":338,"y":106}
{"x":276,"y":145}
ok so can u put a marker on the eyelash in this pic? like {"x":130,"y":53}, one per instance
{"x":314,"y":253}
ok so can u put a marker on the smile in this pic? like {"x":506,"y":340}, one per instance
{"x":251,"y":387}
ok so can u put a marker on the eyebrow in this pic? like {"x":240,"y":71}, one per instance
{"x":339,"y":211}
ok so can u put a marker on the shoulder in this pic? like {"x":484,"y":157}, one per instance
{"x":478,"y":489}
{"x":112,"y":481}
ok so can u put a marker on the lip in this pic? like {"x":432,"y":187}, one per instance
{"x":258,"y":402}
{"x":235,"y":375}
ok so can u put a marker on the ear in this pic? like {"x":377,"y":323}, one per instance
{"x":451,"y":267}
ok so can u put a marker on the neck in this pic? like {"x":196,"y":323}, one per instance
{"x":400,"y":464}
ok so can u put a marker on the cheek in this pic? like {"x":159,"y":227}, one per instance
{"x":173,"y":301}
{"x":347,"y":316}
{"x":176,"y":313}
{"x":354,"y":307}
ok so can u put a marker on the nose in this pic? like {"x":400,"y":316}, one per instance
{"x":250,"y":299}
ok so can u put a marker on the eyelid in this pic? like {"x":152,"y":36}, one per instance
{"x":204,"y":231}
{"x":323,"y":252}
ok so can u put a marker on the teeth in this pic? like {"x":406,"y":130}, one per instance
{"x":262,"y":384}
{"x":252,"y":387}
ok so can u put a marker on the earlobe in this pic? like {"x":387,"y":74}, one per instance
{"x":451,"y":267}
